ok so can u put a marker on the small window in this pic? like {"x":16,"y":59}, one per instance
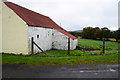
{"x":37,"y":36}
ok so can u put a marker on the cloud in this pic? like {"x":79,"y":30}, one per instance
{"x":76,"y":14}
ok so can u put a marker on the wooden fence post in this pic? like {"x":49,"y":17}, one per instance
{"x":32,"y":46}
{"x":69,"y":46}
{"x":103,"y":45}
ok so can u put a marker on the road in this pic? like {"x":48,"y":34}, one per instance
{"x":60,"y":71}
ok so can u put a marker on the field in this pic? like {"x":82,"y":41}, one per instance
{"x":111,"y":47}
{"x":53,"y":57}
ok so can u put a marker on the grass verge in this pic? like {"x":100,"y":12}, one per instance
{"x":38,"y":60}
{"x":60,"y":57}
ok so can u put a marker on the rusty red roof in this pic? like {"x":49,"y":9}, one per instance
{"x":35,"y":19}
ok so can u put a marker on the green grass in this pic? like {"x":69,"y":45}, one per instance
{"x":59,"y":57}
{"x":95,"y":44}
{"x":112,"y":39}
{"x":35,"y":60}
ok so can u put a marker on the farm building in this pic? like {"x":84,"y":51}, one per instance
{"x":19,"y":25}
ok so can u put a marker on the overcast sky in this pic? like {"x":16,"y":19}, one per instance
{"x":76,"y":14}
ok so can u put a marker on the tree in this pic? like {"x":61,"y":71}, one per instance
{"x":116,"y":35}
{"x":105,"y":33}
{"x":88,"y":33}
{"x":76,"y":34}
{"x":91,"y":33}
{"x":97,"y":33}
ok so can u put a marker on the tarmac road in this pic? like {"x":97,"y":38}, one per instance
{"x":60,"y":71}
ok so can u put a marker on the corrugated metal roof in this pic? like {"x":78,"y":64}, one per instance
{"x":35,"y":19}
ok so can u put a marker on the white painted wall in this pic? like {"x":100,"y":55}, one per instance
{"x":44,"y":40}
{"x":60,"y":41}
{"x":49,"y":39}
{"x":74,"y":43}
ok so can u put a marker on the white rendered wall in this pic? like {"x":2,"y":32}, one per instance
{"x":44,"y":40}
{"x":49,"y":39}
{"x":74,"y":43}
{"x":60,"y":41}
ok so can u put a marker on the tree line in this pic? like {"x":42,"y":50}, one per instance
{"x":98,"y":33}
